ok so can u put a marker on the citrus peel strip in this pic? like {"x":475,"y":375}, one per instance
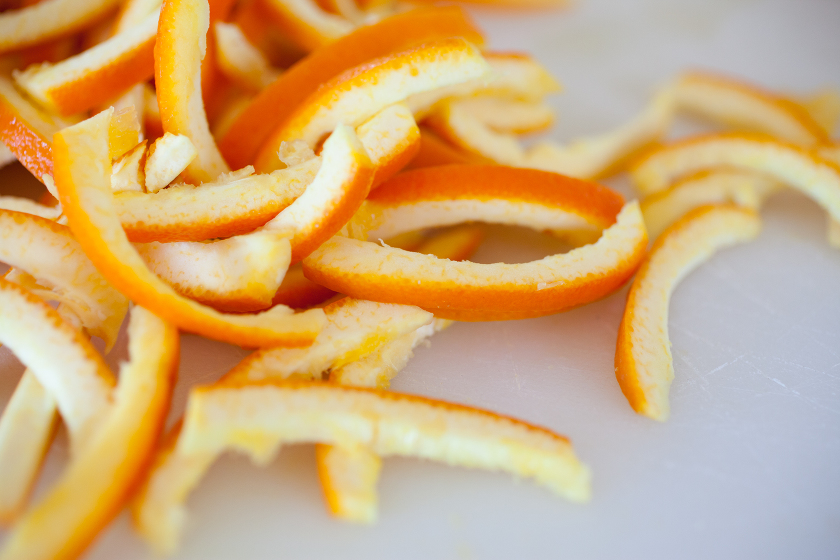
{"x":273,"y":106}
{"x":83,"y":180}
{"x":643,"y":364}
{"x":306,"y":24}
{"x":96,"y":484}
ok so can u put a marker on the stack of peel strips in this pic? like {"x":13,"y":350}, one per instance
{"x":264,"y":173}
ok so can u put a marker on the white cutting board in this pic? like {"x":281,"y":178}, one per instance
{"x":748,"y":465}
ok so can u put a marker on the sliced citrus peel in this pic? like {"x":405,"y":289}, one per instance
{"x":744,"y":106}
{"x":307,"y":24}
{"x":28,"y":206}
{"x":470,"y":291}
{"x":584,"y":158}
{"x":273,"y":106}
{"x":817,"y":178}
{"x":643,"y":364}
{"x":72,"y":372}
{"x":96,"y":75}
{"x":179,"y":49}
{"x":96,"y":484}
{"x":238,"y":274}
{"x":281,"y":412}
{"x":508,"y":115}
{"x":240,"y":61}
{"x":360,"y":93}
{"x":166,"y":159}
{"x":721,"y":186}
{"x":82,"y":170}
{"x":48,"y":20}
{"x":48,"y":252}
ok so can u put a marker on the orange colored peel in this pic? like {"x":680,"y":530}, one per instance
{"x":643,"y":364}
{"x":83,"y":180}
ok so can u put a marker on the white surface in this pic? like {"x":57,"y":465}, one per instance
{"x":749,"y":464}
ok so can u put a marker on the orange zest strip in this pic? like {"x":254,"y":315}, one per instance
{"x":97,"y":483}
{"x":471,"y":291}
{"x":358,"y":94}
{"x":801,"y":169}
{"x":96,"y":75}
{"x":643,"y":364}
{"x":333,"y":197}
{"x":745,"y":106}
{"x":306,"y":24}
{"x":48,"y":20}
{"x":72,"y":372}
{"x":388,"y":424}
{"x":82,"y":170}
{"x":435,"y":151}
{"x":275,"y":104}
{"x":179,"y":49}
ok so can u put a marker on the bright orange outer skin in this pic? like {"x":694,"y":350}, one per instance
{"x":596,"y":203}
{"x":96,"y":88}
{"x":434,"y":151}
{"x":490,"y":302}
{"x":276,"y":103}
{"x":32,"y":150}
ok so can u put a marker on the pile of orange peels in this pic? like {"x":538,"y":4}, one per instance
{"x":272,"y":174}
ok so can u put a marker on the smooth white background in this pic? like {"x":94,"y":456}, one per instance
{"x":749,"y":463}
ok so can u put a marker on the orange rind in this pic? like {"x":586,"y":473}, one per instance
{"x":166,"y":159}
{"x":82,"y":174}
{"x":360,"y":93}
{"x":281,"y":412}
{"x":274,"y":105}
{"x":96,"y":484}
{"x":179,"y":48}
{"x":240,"y":61}
{"x":448,"y":195}
{"x":306,"y":24}
{"x":643,"y":364}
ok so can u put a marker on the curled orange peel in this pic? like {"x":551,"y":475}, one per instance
{"x":804,"y":170}
{"x":240,"y":61}
{"x":360,"y":93}
{"x":238,"y":274}
{"x":470,"y":291}
{"x":82,"y":170}
{"x":94,"y":76}
{"x":179,"y":48}
{"x":29,"y":206}
{"x":643,"y":364}
{"x":96,"y":484}
{"x":744,"y":106}
{"x":72,"y":372}
{"x":48,"y":252}
{"x":281,"y":412}
{"x":273,"y":106}
{"x":435,"y":151}
{"x":48,"y":20}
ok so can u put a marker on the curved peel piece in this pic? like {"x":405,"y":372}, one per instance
{"x":96,"y":484}
{"x":275,"y":412}
{"x":360,"y":93}
{"x":643,"y":364}
{"x":83,"y":179}
{"x":179,"y":49}
{"x":470,"y":291}
{"x":306,"y":24}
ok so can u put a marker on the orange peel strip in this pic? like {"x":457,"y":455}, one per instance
{"x":306,"y":24}
{"x":508,"y":115}
{"x":333,"y":197}
{"x":28,"y":206}
{"x":747,"y":107}
{"x":97,"y":483}
{"x":387,"y":423}
{"x":643,"y":364}
{"x":48,"y":20}
{"x":238,"y":274}
{"x":817,"y":178}
{"x":96,"y":75}
{"x":435,"y":151}
{"x":360,"y":93}
{"x":240,"y":61}
{"x":273,"y":106}
{"x":72,"y":372}
{"x":83,"y":179}
{"x":298,"y":292}
{"x":721,"y":186}
{"x":470,"y":291}
{"x":179,"y":49}
{"x":48,"y":252}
